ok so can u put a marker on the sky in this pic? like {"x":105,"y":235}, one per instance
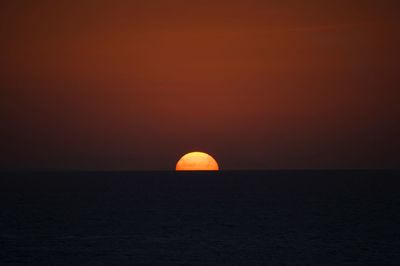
{"x":134,"y":85}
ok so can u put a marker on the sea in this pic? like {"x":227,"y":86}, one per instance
{"x":304,"y":217}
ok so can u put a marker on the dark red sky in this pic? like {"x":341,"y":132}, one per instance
{"x":132,"y":85}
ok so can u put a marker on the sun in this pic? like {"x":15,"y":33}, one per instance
{"x":197,"y":161}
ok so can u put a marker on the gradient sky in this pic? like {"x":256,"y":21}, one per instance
{"x":133,"y":85}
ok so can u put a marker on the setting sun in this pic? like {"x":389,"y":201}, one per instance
{"x":197,"y":161}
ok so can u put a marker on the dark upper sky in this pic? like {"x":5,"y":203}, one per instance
{"x":133,"y":85}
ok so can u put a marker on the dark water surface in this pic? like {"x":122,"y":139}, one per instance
{"x":225,"y":218}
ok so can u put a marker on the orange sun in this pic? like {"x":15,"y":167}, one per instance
{"x":197,"y":161}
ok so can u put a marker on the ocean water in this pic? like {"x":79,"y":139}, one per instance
{"x":200,"y":218}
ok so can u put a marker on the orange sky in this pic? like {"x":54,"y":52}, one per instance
{"x":132,"y":85}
